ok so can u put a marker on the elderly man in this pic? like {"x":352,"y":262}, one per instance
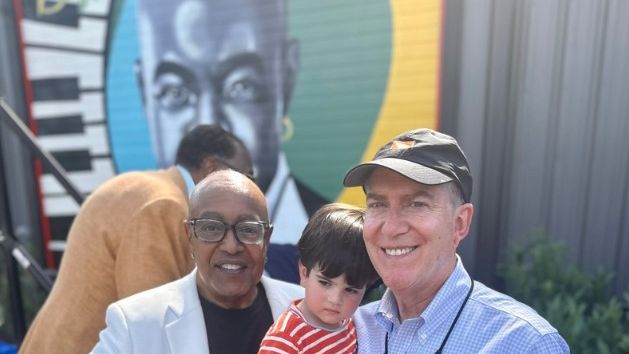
{"x":229,"y":62}
{"x":418,"y":189}
{"x":128,"y":237}
{"x":224,"y":305}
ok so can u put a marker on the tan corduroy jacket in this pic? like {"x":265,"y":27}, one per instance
{"x":127,"y":237}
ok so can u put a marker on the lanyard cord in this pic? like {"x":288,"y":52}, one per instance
{"x":445,"y":340}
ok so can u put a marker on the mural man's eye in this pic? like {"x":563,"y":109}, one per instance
{"x":175,"y":97}
{"x":242,"y":90}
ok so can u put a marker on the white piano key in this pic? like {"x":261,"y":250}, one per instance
{"x":45,"y":63}
{"x":90,"y":34}
{"x":85,"y":181}
{"x":60,"y":205}
{"x":90,"y":106}
{"x":94,"y":139}
{"x":57,"y":245}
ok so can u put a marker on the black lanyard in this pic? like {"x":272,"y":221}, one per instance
{"x":445,"y":340}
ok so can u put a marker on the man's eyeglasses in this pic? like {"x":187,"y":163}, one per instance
{"x":211,"y":230}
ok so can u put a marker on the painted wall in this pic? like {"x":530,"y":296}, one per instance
{"x":367,"y":70}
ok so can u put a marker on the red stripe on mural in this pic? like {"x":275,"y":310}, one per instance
{"x":37,"y":166}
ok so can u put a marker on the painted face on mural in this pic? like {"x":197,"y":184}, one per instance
{"x":216,"y":61}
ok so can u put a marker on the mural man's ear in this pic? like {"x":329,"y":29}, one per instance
{"x":291,"y":60}
{"x":137,"y":70}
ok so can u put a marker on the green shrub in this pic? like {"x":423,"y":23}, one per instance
{"x":581,"y":306}
{"x":374,"y":294}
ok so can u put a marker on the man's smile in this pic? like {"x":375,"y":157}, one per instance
{"x":399,"y":251}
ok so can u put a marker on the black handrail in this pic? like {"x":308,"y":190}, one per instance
{"x":25,"y":260}
{"x":16,"y":253}
{"x":52,"y":165}
{"x":11,"y":244}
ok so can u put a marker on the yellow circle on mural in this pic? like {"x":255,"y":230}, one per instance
{"x":411,"y":99}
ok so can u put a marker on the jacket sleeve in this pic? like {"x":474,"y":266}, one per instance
{"x":115,"y":338}
{"x":155,"y":250}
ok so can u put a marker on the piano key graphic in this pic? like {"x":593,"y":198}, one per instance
{"x":65,"y":56}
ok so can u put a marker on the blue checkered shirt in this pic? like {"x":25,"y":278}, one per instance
{"x":491,"y":322}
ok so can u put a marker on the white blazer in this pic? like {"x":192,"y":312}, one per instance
{"x":169,"y":319}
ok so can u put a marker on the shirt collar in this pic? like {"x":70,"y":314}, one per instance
{"x":274,"y":192}
{"x":387,"y":313}
{"x":294,"y":309}
{"x":443,"y":307}
{"x":187,"y":178}
{"x":449,"y":298}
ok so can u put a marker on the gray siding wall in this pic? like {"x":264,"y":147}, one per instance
{"x":537,"y":91}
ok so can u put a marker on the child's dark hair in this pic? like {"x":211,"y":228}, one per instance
{"x":333,"y":241}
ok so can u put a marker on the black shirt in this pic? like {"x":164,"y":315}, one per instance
{"x":237,"y":331}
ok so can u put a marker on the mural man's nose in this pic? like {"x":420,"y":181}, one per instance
{"x":208,"y":110}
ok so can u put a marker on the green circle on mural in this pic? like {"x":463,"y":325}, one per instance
{"x":345,"y":54}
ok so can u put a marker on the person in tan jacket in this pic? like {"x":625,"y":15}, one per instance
{"x":128,"y":236}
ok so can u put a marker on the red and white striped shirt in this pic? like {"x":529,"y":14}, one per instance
{"x":291,"y":334}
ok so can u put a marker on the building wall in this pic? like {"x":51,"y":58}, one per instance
{"x":540,"y":93}
{"x":535,"y":91}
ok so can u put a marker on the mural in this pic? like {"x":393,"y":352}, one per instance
{"x":311,"y":88}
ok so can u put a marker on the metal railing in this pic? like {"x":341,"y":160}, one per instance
{"x":16,"y":254}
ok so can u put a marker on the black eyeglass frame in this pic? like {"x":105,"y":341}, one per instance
{"x":267,"y":227}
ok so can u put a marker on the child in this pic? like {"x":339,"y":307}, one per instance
{"x":335,"y":270}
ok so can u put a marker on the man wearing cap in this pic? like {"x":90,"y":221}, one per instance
{"x":418,"y":189}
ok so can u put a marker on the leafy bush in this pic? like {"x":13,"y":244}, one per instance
{"x":581,"y":306}
{"x":6,"y":328}
{"x":374,"y":294}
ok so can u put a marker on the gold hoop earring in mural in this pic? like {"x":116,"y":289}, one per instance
{"x":288,"y":130}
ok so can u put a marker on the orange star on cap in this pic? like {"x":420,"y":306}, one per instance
{"x":402,"y":145}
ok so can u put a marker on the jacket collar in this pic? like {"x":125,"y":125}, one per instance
{"x":278,"y":295}
{"x":183,"y":322}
